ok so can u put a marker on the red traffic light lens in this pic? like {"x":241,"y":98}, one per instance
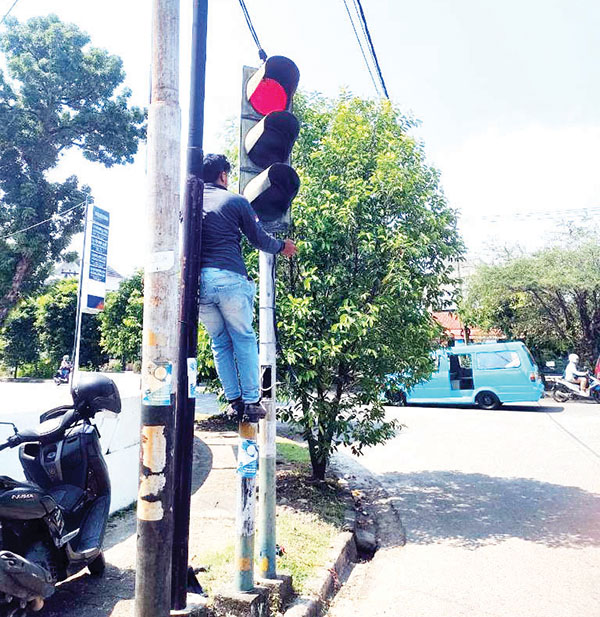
{"x":269,"y":96}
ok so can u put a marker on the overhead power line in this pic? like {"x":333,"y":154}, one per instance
{"x":372,"y":47}
{"x":14,"y":233}
{"x":362,"y":50}
{"x":8,"y":12}
{"x":261,"y":52}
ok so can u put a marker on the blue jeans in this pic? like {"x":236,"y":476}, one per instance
{"x":226,"y":310}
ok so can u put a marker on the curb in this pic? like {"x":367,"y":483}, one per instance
{"x":328,"y":581}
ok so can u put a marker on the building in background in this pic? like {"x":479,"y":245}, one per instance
{"x":457,"y":332}
{"x":65,"y":270}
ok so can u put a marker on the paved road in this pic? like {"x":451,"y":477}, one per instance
{"x":501,"y":515}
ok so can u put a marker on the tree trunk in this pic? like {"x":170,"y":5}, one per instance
{"x":318,"y":462}
{"x":319,"y":468}
{"x":12,"y":295}
{"x":16,"y":370}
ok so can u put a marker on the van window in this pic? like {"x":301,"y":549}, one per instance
{"x":498,"y":359}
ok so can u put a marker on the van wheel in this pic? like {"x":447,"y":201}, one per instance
{"x":396,"y":398}
{"x":487,"y":400}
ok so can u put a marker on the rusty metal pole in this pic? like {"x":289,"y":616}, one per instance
{"x":246,"y":498}
{"x":161,"y":283}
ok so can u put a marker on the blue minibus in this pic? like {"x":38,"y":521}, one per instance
{"x":485,"y":374}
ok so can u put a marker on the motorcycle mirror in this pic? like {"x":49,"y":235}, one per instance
{"x":11,"y":424}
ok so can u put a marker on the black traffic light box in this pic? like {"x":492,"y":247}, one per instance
{"x":268,"y":131}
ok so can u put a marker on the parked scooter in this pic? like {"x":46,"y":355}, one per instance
{"x":53,"y":525}
{"x":564,"y":391}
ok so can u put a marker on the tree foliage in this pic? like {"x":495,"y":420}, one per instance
{"x":59,"y":93}
{"x":550,"y":299}
{"x":20,"y":343}
{"x":122,"y":320}
{"x":376,"y":241}
{"x":56,"y":310}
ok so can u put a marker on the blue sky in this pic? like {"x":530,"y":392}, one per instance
{"x":508,"y":95}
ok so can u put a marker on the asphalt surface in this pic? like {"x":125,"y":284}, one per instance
{"x":500,"y":515}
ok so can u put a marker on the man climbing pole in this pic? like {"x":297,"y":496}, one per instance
{"x":226,"y":291}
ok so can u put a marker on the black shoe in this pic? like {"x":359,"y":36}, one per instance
{"x":236,"y":408}
{"x":253,"y":412}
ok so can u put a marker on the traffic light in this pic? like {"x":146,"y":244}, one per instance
{"x":268,"y":131}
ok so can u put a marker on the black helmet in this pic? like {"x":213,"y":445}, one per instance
{"x":94,"y":392}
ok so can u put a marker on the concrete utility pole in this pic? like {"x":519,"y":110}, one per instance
{"x":161,"y":282}
{"x":267,"y":427}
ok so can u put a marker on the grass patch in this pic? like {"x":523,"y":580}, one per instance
{"x":291,"y":451}
{"x":219,"y":569}
{"x":307,"y":541}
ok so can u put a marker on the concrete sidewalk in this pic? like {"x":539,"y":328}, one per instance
{"x":212,"y":520}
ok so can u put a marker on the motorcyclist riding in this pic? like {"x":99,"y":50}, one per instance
{"x":573,"y":375}
{"x":64,"y":369}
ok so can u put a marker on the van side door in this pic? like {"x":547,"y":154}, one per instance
{"x":461,"y":374}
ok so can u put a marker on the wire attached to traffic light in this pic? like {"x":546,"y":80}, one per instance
{"x":261,"y":52}
{"x":372,"y":47}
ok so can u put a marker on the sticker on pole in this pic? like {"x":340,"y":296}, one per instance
{"x":159,"y":384}
{"x":192,"y":367}
{"x":247,"y":458}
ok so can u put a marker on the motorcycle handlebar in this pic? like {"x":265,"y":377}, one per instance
{"x":32,"y":436}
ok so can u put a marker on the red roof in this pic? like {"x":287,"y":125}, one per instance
{"x":453,"y":326}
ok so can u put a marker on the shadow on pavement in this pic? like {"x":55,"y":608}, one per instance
{"x":474,"y":510}
{"x":97,"y":596}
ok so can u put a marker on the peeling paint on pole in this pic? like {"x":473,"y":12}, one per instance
{"x":154,"y":448}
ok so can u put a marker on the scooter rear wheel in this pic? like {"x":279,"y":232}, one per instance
{"x":560,"y":396}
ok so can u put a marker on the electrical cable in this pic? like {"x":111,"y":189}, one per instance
{"x":362,"y":51}
{"x":364,"y":20}
{"x":261,"y":52}
{"x":8,"y":12}
{"x":14,"y":233}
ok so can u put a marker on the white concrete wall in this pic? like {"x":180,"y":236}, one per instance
{"x":22,"y":403}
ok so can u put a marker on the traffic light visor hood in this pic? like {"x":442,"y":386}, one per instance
{"x":273,"y":85}
{"x":271,"y":192}
{"x":272,"y":139}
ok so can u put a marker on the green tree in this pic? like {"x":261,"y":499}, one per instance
{"x":19,"y":336}
{"x":56,"y":325}
{"x":60,"y":93}
{"x":122,"y":320}
{"x":550,"y":299}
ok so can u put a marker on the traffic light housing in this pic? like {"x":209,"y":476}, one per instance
{"x":268,"y":130}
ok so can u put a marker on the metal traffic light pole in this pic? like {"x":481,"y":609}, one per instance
{"x":246,"y":488}
{"x":161,"y":282}
{"x":268,"y":131}
{"x":267,"y":426}
{"x":188,"y":316}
